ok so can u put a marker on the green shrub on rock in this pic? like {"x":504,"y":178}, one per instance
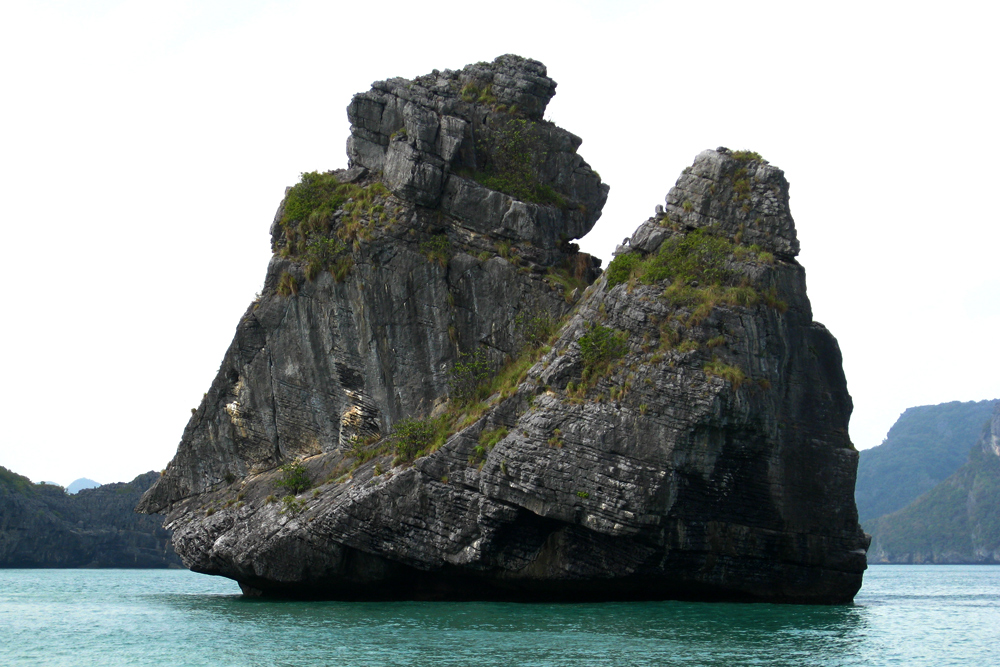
{"x":322,"y":254}
{"x":292,"y":505}
{"x":410,"y":437}
{"x":294,"y":477}
{"x":468,"y":374}
{"x":534,"y":328}
{"x":621,"y":267}
{"x":322,"y":219}
{"x":601,"y":345}
{"x":747,"y":156}
{"x":437,"y":249}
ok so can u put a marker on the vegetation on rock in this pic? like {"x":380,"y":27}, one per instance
{"x":698,"y":256}
{"x":410,"y":437}
{"x":510,"y":154}
{"x":669,"y":446}
{"x":487,"y":441}
{"x":18,"y":483}
{"x":294,"y":478}
{"x":473,"y":380}
{"x":621,"y":268}
{"x":601,"y":345}
{"x":468,"y":376}
{"x":323,"y":220}
{"x":287,"y":284}
{"x":702,"y":271}
{"x":292,"y":505}
{"x":732,"y":374}
{"x":437,"y":249}
{"x":571,"y":275}
{"x":747,"y":156}
{"x":322,"y":254}
{"x":534,"y":328}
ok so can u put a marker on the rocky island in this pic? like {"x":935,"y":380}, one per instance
{"x":437,"y":396}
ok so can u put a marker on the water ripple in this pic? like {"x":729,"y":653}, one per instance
{"x":904,"y":615}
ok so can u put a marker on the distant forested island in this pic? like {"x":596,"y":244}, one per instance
{"x":930,"y":493}
{"x":41,"y":525}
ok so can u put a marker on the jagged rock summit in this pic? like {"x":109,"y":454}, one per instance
{"x":485,"y":119}
{"x":432,"y":398}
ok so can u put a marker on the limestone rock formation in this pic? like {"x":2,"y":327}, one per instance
{"x":41,"y":525}
{"x":456,"y":414}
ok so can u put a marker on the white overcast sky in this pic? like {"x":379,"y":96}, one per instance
{"x":144,"y":147}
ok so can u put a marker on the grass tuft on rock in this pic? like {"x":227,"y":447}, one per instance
{"x":732,"y":374}
{"x":323,"y":220}
{"x":437,"y":249}
{"x":703,"y":271}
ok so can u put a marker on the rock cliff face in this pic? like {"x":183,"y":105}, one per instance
{"x":43,"y":526}
{"x":957,"y":521}
{"x":459,"y":416}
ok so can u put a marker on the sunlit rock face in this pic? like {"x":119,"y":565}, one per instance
{"x":676,"y":429}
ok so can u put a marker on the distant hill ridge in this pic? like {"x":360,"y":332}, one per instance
{"x":958,"y":521}
{"x":925,"y":445}
{"x":43,"y":526}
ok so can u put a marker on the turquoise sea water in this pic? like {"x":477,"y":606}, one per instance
{"x":904,"y":615}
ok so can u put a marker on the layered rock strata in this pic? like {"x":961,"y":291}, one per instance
{"x":682,"y":434}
